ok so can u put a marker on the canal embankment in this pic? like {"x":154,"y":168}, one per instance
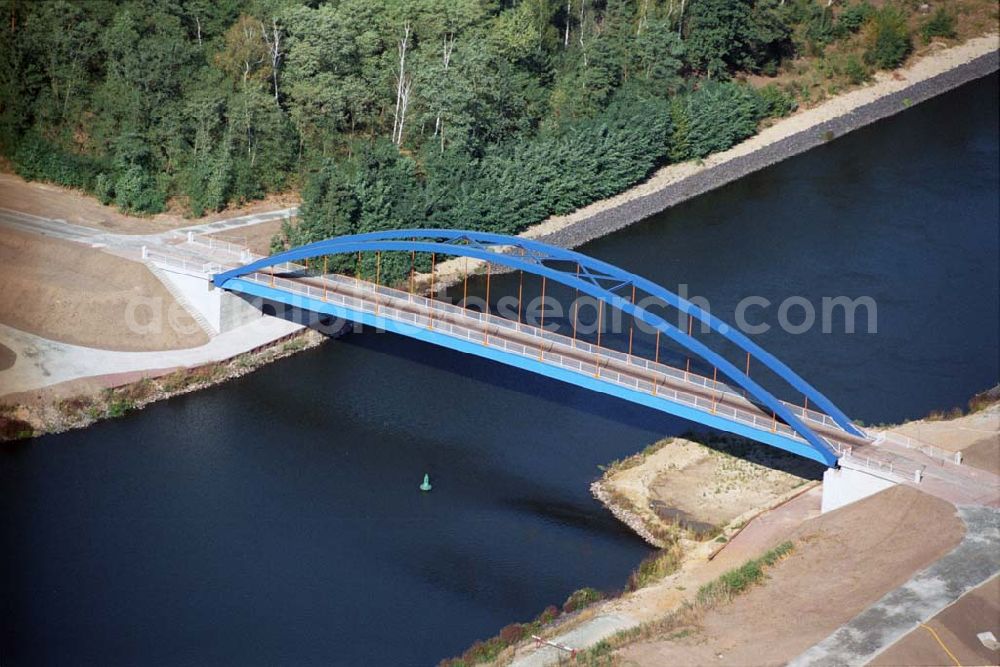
{"x":78,"y":403}
{"x":891,"y":92}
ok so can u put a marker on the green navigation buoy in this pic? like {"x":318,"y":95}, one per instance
{"x":426,"y":486}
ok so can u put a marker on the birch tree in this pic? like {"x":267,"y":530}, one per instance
{"x":273,"y":42}
{"x":404,"y":86}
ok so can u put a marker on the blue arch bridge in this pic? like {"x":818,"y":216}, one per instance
{"x":729,"y":399}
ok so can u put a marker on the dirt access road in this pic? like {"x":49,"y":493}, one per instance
{"x":849,"y":559}
{"x":70,"y":293}
{"x":65,"y":278}
{"x":58,"y":203}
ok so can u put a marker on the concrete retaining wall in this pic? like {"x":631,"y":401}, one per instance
{"x":843,"y":486}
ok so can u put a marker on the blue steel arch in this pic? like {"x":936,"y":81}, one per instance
{"x":595,"y":278}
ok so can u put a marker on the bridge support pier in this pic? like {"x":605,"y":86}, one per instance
{"x":843,"y":486}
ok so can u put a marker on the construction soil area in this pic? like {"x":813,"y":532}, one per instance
{"x":953,"y":631}
{"x":256,"y":237}
{"x":58,"y":203}
{"x":976,"y":435}
{"x":70,"y":293}
{"x":850,"y":558}
{"x":706,"y":488}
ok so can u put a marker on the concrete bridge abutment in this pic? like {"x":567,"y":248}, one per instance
{"x":845,"y":485}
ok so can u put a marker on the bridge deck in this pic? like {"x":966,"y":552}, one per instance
{"x":908,"y":461}
{"x":664,"y":382}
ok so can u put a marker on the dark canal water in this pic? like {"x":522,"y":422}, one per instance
{"x":276,"y":520}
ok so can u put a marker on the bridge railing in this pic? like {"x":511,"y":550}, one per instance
{"x":480,"y":335}
{"x":180,"y":264}
{"x":212,"y":243}
{"x":907,"y":442}
{"x":722,"y":389}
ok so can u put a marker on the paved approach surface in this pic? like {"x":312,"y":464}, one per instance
{"x":95,"y":238}
{"x":42,"y":362}
{"x":953,"y":635}
{"x":975,"y":560}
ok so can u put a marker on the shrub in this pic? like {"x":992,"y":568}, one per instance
{"x":74,"y":407}
{"x":582,"y":598}
{"x":12,"y":428}
{"x":713,"y":118}
{"x":654,"y":567}
{"x":776,"y":101}
{"x":549,"y":614}
{"x":136,"y":192}
{"x":119,"y":407}
{"x":887,"y":38}
{"x":104,"y":188}
{"x":855,"y":70}
{"x":984,"y":399}
{"x":511,"y":633}
{"x":820,"y":27}
{"x":36,"y":159}
{"x":853,"y":18}
{"x":940,"y":24}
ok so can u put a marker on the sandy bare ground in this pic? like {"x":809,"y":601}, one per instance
{"x":702,"y":489}
{"x":976,"y":435}
{"x":59,"y":203}
{"x":73,"y":294}
{"x":713,"y":486}
{"x":53,"y":201}
{"x":843,"y":562}
{"x":257,"y":237}
{"x":984,"y":453}
{"x":953,"y":632}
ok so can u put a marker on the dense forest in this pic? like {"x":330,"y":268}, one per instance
{"x":485,"y":114}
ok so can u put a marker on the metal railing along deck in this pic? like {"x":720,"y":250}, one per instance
{"x":557,"y":349}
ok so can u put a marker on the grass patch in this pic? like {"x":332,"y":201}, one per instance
{"x":635,"y":459}
{"x":984,"y":399}
{"x":655,"y":567}
{"x":680,"y":623}
{"x":740,"y":579}
{"x":484,"y":651}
